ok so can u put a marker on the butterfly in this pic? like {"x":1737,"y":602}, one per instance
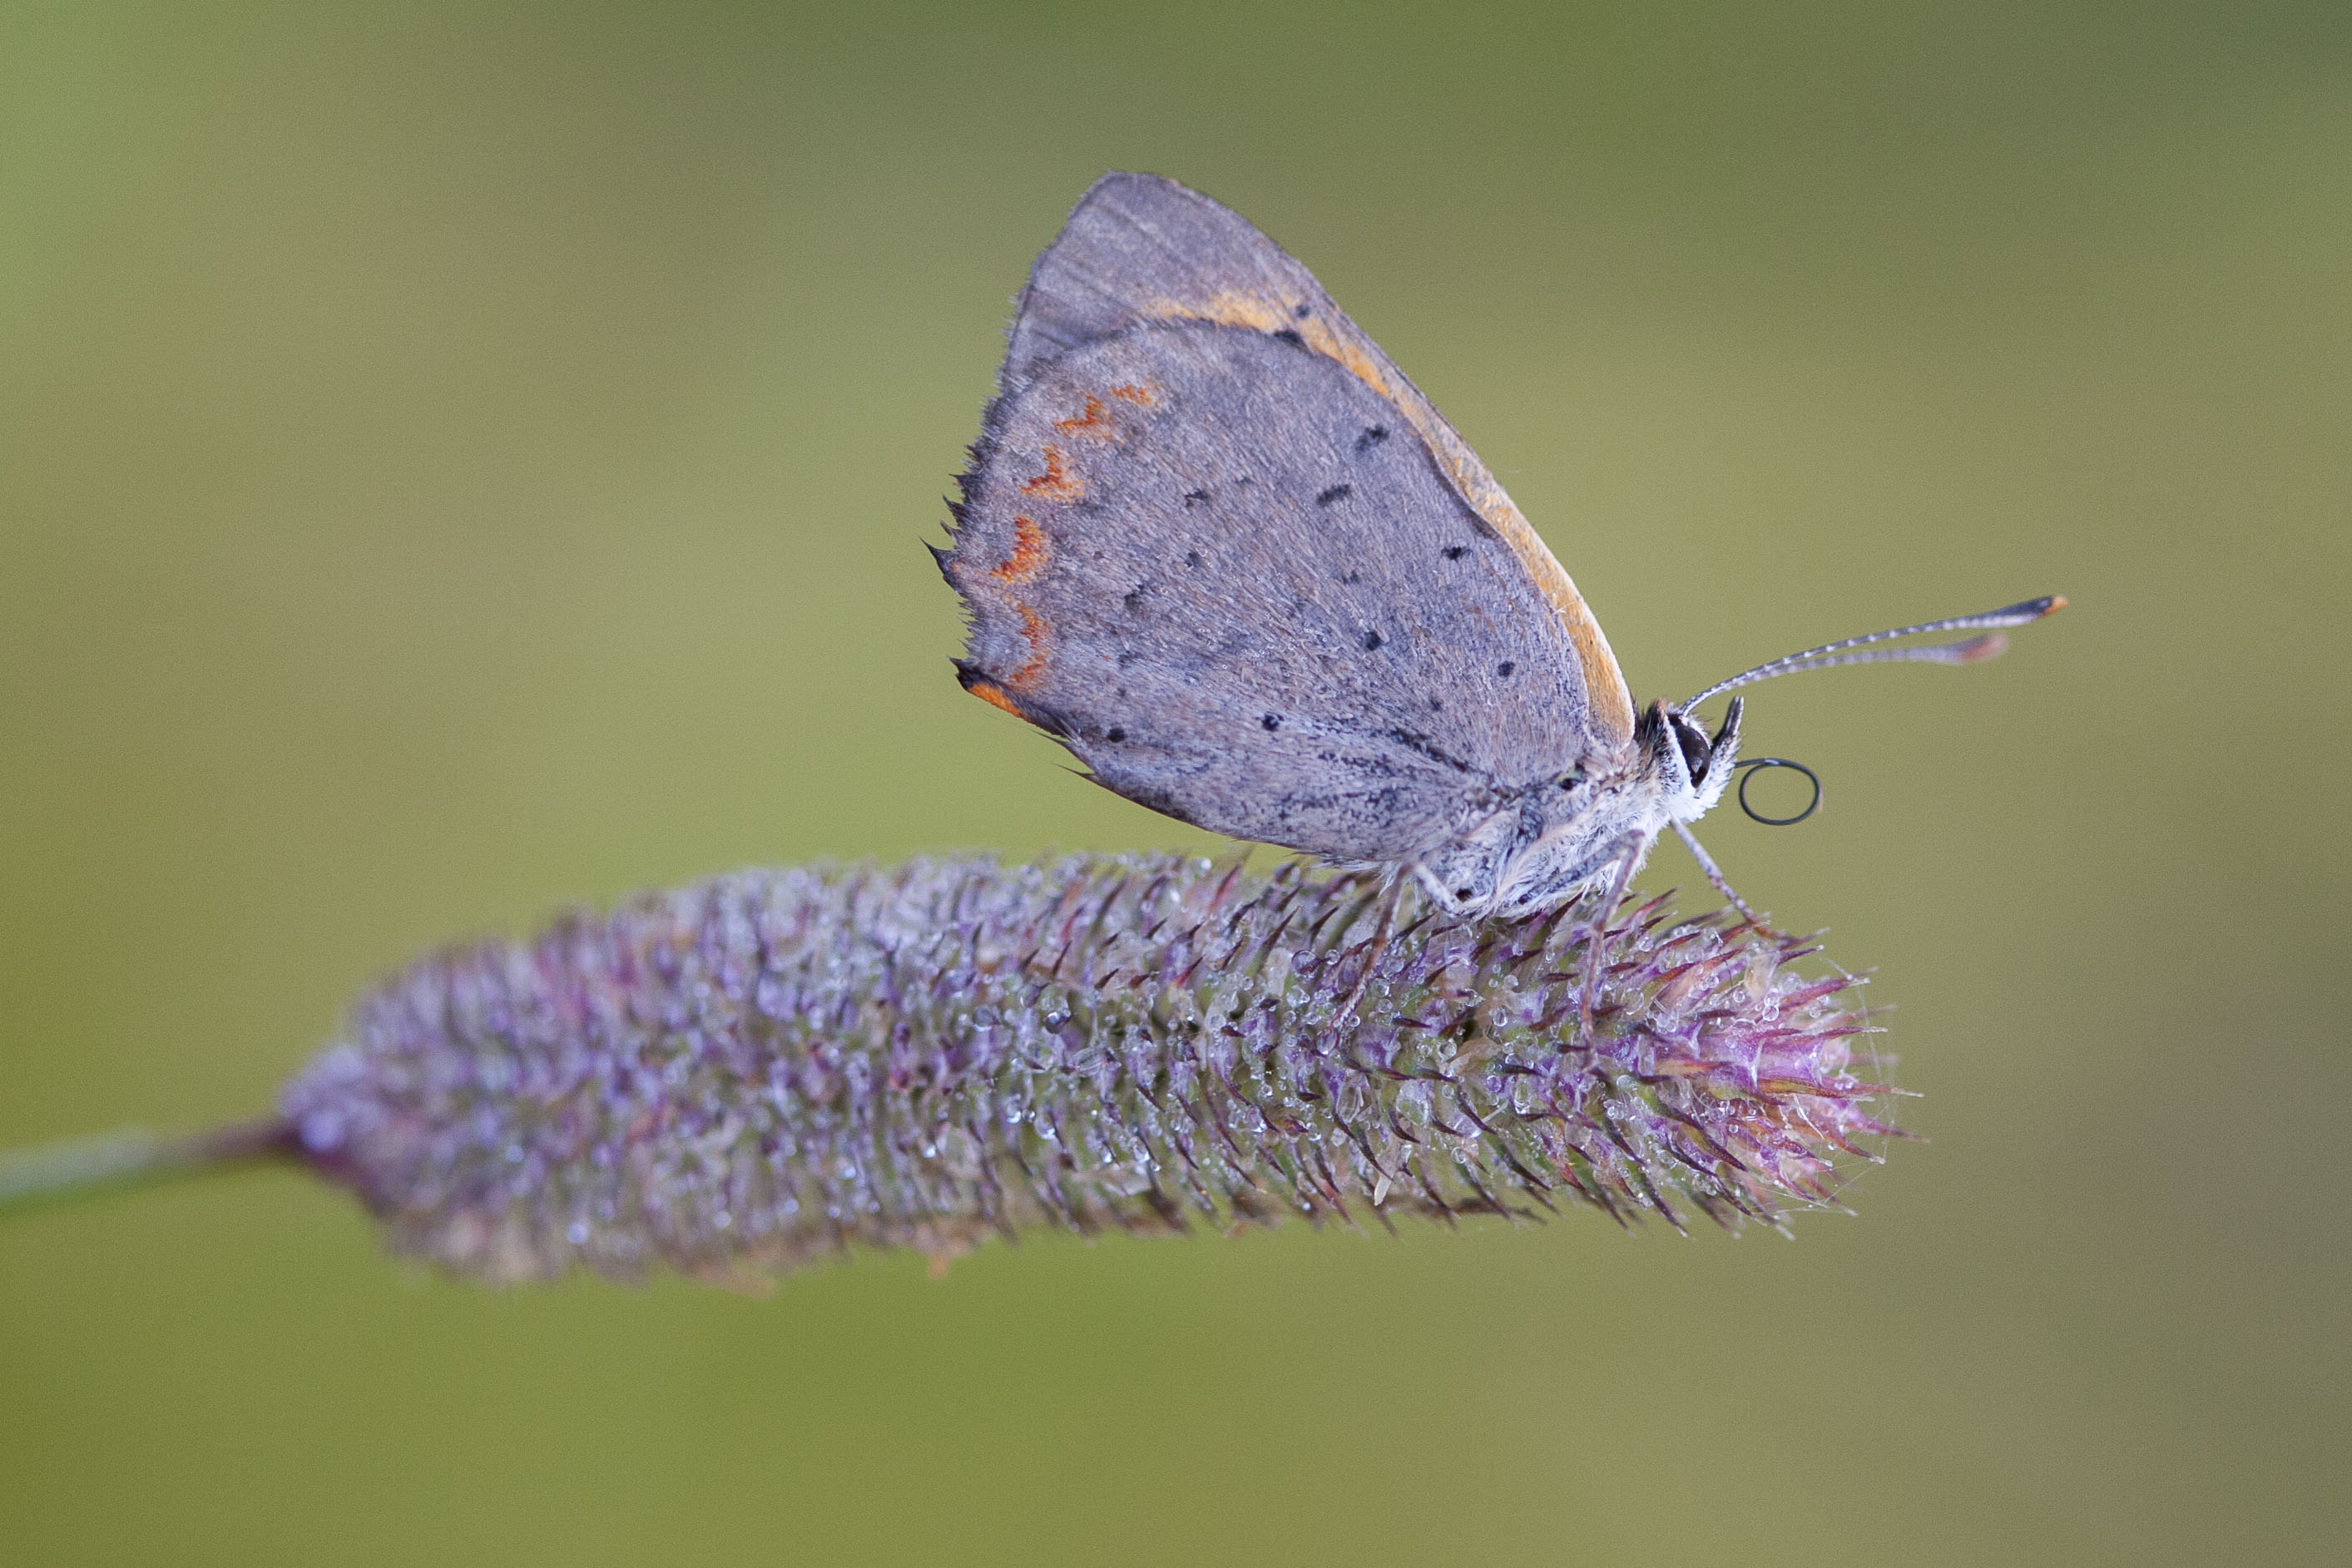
{"x":1216,"y":544}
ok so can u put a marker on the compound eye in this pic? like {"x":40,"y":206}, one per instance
{"x":1693,"y":740}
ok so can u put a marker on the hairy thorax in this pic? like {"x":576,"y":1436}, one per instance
{"x":1550,"y":840}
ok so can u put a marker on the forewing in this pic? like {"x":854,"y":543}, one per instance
{"x":1227,"y":574}
{"x":1140,"y":248}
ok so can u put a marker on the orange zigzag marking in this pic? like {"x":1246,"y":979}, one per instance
{"x":1057,"y":483}
{"x":1033,"y":627}
{"x":1028,"y":558}
{"x":1089,"y":423}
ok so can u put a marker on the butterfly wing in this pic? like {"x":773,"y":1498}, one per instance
{"x":1207,"y":543}
{"x":1140,"y":248}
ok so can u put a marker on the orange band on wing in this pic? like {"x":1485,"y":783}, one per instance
{"x":993,"y":696}
{"x":1611,"y":704}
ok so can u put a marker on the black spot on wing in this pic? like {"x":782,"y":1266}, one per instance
{"x":1336,"y":493}
{"x":1133,"y":598}
{"x":1304,"y":311}
{"x":1455,"y":553}
{"x":1371,"y":642}
{"x":1272,"y":721}
{"x":1192,"y":558}
{"x":1194,"y":497}
{"x":1290,"y":335}
{"x":1504,"y":669}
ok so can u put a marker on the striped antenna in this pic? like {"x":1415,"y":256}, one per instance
{"x":1968,"y":651}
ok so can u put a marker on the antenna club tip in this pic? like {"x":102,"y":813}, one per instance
{"x":2027,"y":611}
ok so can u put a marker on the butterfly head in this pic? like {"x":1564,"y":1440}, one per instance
{"x":1689,"y":770}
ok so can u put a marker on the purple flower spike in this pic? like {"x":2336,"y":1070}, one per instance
{"x":733,"y":1078}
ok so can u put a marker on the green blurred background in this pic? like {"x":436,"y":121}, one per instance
{"x":459,"y":461}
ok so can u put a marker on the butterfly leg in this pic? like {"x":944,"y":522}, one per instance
{"x":1597,"y":934}
{"x":1715,"y":874}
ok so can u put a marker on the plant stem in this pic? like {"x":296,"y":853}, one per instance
{"x":78,"y":1167}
